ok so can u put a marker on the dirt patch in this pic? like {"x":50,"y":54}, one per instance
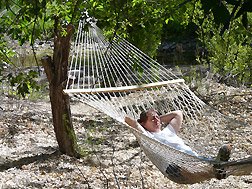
{"x":29,"y":157}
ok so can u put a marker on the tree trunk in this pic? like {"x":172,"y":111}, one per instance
{"x":56,"y":71}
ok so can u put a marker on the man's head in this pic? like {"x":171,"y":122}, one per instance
{"x":150,"y":120}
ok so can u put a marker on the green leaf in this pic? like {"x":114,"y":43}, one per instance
{"x":245,"y":20}
{"x":169,"y":19}
{"x":33,"y":74}
{"x":221,"y":13}
{"x":246,"y":7}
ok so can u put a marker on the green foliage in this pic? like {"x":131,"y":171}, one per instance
{"x":226,"y":10}
{"x":24,"y":83}
{"x":5,"y":53}
{"x":144,"y":23}
{"x":26,"y":21}
{"x":229,"y":51}
{"x":138,"y":21}
{"x":245,"y":8}
{"x":219,"y":10}
{"x":30,"y":20}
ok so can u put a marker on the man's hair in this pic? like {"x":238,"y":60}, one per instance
{"x":143,"y":117}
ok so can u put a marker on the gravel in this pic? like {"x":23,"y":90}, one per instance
{"x":29,"y":156}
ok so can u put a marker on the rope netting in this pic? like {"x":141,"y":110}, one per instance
{"x":118,"y":79}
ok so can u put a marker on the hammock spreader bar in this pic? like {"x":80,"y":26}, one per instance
{"x":124,"y":88}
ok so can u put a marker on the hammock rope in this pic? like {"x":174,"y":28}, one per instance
{"x":118,"y":79}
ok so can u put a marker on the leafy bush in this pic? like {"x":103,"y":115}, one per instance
{"x":24,"y":82}
{"x":229,"y":52}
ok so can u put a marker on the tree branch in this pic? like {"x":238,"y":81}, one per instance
{"x":114,"y":172}
{"x":32,"y":43}
{"x":183,"y":3}
{"x":76,"y":6}
{"x":89,"y":187}
{"x":47,"y":64}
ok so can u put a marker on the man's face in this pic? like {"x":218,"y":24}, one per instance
{"x":153,"y":123}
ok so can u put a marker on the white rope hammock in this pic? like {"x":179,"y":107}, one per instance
{"x":118,"y":79}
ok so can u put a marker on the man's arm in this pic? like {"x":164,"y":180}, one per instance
{"x":133,"y":123}
{"x":173,"y":118}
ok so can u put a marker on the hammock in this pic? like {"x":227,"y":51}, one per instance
{"x":118,"y":79}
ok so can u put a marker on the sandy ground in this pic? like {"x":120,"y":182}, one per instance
{"x":29,"y":156}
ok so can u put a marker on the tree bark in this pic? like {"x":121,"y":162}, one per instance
{"x":56,"y":71}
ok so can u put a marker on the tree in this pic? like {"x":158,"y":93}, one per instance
{"x":56,"y":71}
{"x":27,"y":21}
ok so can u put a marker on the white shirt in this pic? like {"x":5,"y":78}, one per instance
{"x":168,"y":136}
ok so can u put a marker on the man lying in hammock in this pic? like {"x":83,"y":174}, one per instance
{"x":150,"y":123}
